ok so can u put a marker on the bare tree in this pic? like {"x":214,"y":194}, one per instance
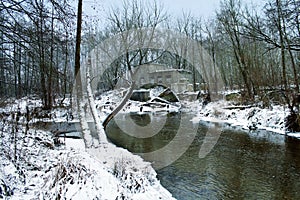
{"x":31,"y":42}
{"x":134,"y":15}
{"x":230,"y":19}
{"x":280,"y":32}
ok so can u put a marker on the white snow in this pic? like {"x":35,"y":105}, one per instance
{"x":246,"y":117}
{"x":110,"y":99}
{"x":42,"y":170}
{"x":71,"y":171}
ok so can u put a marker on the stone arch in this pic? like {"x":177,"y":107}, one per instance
{"x":107,"y":51}
{"x":100,"y":58}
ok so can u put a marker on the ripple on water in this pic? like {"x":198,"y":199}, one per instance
{"x":254,"y":165}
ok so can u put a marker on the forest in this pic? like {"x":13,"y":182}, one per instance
{"x":58,"y":108}
{"x":256,"y":50}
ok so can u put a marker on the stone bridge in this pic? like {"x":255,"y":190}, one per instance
{"x":101,"y":57}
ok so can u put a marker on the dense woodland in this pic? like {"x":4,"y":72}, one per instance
{"x":257,"y":50}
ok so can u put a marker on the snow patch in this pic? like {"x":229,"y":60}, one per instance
{"x":246,"y":117}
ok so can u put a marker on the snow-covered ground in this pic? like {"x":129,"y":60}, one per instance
{"x":33,"y":167}
{"x":109,"y":100}
{"x":245,"y":117}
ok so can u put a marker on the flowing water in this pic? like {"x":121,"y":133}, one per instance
{"x":241,"y":165}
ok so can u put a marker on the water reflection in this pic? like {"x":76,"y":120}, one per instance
{"x":141,"y":119}
{"x":143,"y":145}
{"x":256,"y":165}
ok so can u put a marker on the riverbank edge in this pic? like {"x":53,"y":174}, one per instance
{"x":71,"y":170}
{"x":246,"y":118}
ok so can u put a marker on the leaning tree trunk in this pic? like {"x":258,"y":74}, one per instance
{"x":91,"y":100}
{"x":120,"y":106}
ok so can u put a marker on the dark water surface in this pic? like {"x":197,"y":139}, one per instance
{"x":254,"y":165}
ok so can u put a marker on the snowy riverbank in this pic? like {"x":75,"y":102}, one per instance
{"x":33,"y":167}
{"x":245,"y":117}
{"x":248,"y":117}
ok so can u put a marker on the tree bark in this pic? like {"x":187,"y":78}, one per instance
{"x":282,"y":48}
{"x":77,"y":54}
{"x":120,"y":106}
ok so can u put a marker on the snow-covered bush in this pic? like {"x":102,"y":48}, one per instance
{"x":5,"y":189}
{"x":68,"y":178}
{"x":132,"y":178}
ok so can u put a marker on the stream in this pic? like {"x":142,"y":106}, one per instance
{"x":241,"y":165}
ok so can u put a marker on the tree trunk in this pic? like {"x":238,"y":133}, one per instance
{"x":120,"y":106}
{"x":50,"y":81}
{"x":279,"y":13}
{"x":77,"y":54}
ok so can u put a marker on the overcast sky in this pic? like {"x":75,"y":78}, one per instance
{"x":203,"y":8}
{"x":198,"y":8}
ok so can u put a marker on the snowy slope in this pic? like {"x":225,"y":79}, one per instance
{"x":32,"y":167}
{"x":245,"y":117}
